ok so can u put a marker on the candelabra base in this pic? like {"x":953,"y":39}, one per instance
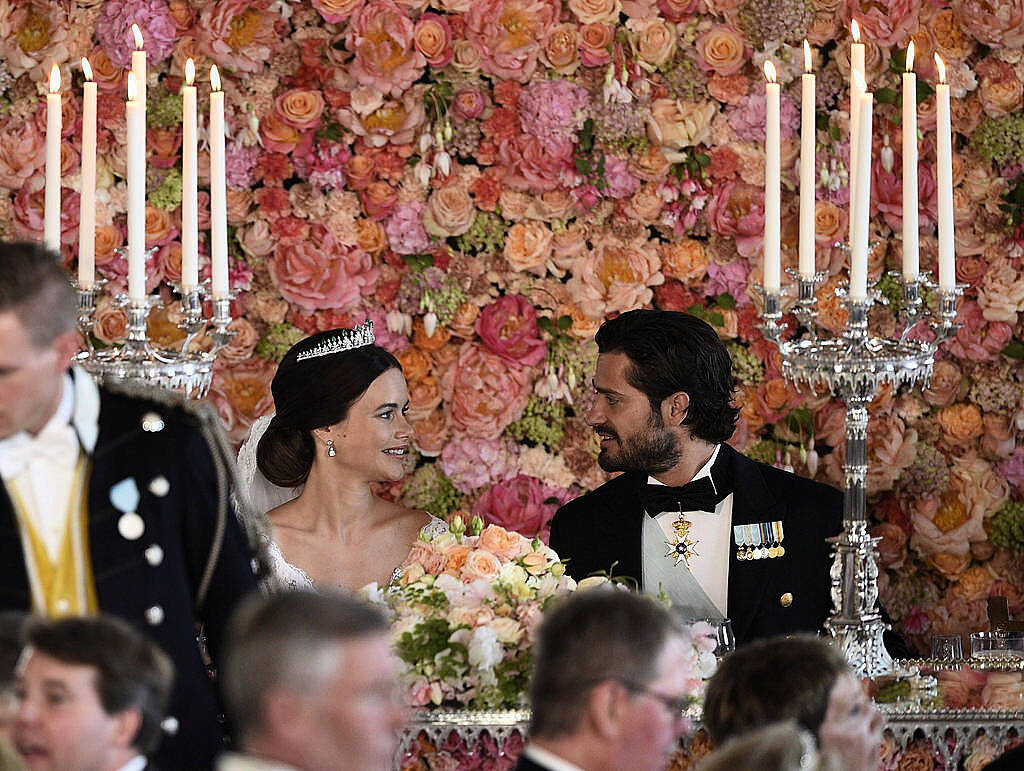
{"x":192,"y":377}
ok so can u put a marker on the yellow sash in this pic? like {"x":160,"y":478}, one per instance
{"x":64,"y":587}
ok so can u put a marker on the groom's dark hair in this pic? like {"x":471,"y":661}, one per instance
{"x":590,"y":638}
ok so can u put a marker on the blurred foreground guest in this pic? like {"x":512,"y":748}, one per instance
{"x":311,"y":684}
{"x":798,"y":678}
{"x":777,"y":747}
{"x":10,"y":649}
{"x":92,"y":693}
{"x":113,"y":500}
{"x":609,"y":685}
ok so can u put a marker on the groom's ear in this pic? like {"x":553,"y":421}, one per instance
{"x":674,"y":408}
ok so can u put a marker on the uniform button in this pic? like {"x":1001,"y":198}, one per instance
{"x":154,"y":615}
{"x":154,"y":555}
{"x":152,"y":422}
{"x":159,"y":486}
{"x":786,"y":599}
{"x":131,"y":526}
{"x":169,"y":725}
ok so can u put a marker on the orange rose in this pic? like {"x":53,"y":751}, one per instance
{"x":463,"y":320}
{"x":111,"y":324}
{"x":527,"y":246}
{"x":169,"y":258}
{"x":239,"y":204}
{"x":300,"y":108}
{"x":595,"y":40}
{"x":653,"y":40}
{"x":974,"y":583}
{"x":164,"y":142}
{"x":684,"y":259}
{"x":450,"y":212}
{"x":829,"y":223}
{"x":159,"y":226}
{"x":457,"y":556}
{"x":430,"y":435}
{"x":949,"y":36}
{"x":108,"y":238}
{"x":776,"y":393}
{"x":359,"y":170}
{"x":949,"y":565}
{"x":278,"y":135}
{"x":370,"y":236}
{"x":107,"y":76}
{"x":595,"y":11}
{"x":721,"y":49}
{"x":416,"y":363}
{"x":500,"y":542}
{"x":961,"y":422}
{"x":187,"y":47}
{"x":424,"y":396}
{"x":428,"y":342}
{"x":561,"y":49}
{"x":480,"y":565}
{"x":583,"y":327}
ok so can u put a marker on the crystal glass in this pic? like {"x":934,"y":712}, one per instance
{"x":998,"y":644}
{"x":947,"y":646}
{"x":724,"y":637}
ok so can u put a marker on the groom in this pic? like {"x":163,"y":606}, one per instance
{"x":719,"y":534}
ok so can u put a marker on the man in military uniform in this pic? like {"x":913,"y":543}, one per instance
{"x":112,"y":501}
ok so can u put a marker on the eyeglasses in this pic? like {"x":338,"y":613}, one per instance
{"x":676,"y":705}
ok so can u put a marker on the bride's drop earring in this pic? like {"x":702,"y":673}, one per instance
{"x":331,"y":452}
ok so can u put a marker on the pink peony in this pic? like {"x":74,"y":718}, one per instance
{"x":472,"y":463}
{"x":22,"y":152}
{"x":738,"y":210}
{"x":509,"y":34}
{"x":483,"y":393}
{"x":319,"y":273}
{"x":517,"y":504}
{"x":241,"y":393}
{"x":239,"y":34}
{"x":999,"y":24}
{"x":380,"y":35}
{"x":535,"y":165}
{"x":395,"y":121}
{"x":978,"y":339}
{"x":33,"y":35}
{"x":508,"y":326}
{"x":888,"y":25}
{"x":113,"y":30}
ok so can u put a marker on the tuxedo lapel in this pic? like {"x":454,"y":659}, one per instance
{"x":753,"y":502}
{"x":14,"y":589}
{"x":618,"y":528}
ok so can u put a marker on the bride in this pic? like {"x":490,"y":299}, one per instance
{"x":340,"y":425}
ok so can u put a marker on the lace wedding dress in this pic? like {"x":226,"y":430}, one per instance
{"x":265,"y":496}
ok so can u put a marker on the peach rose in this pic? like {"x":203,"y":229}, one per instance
{"x":279,"y":136}
{"x":430,"y":434}
{"x":645,"y":205}
{"x":528,"y":246}
{"x":684,"y":259}
{"x":108,"y":238}
{"x":892,"y":549}
{"x":257,"y":239}
{"x":111,"y":324}
{"x":160,"y":227}
{"x":949,"y":565}
{"x":433,"y":38}
{"x":551,"y":205}
{"x":424,"y":396}
{"x":432,"y":560}
{"x":721,"y":49}
{"x":480,"y":565}
{"x":416,"y":363}
{"x":370,"y":236}
{"x":463,"y":320}
{"x":945,"y":385}
{"x":676,"y":124}
{"x":300,"y":108}
{"x":830,"y":223}
{"x":500,"y":542}
{"x":595,"y":40}
{"x":561,"y":51}
{"x":466,"y":56}
{"x":456,"y":556}
{"x":595,"y":11}
{"x":239,"y":203}
{"x":961,"y":423}
{"x":653,"y":40}
{"x":432,"y":342}
{"x":450,"y":212}
{"x":1001,"y":96}
{"x":974,"y":583}
{"x":241,"y":393}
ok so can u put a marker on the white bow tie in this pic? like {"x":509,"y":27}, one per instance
{"x":55,"y":446}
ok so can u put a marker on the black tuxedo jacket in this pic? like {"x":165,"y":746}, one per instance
{"x":766,"y":597}
{"x":525,"y":764}
{"x":156,"y":589}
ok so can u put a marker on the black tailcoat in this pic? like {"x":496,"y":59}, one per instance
{"x":155,"y":589}
{"x":603,"y":527}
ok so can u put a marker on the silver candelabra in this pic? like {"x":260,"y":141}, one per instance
{"x":138,"y":360}
{"x":853,"y":365}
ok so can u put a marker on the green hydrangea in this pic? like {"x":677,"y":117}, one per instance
{"x":928,"y":472}
{"x":1008,"y":526}
{"x":891,"y":288}
{"x":443,"y":301}
{"x":765,"y":451}
{"x":784,"y":20}
{"x":163,"y":109}
{"x":429,"y":489}
{"x":1000,"y":140}
{"x":485,"y":235}
{"x":747,"y":368}
{"x":542,"y":422}
{"x":277,"y":341}
{"x":167,"y":195}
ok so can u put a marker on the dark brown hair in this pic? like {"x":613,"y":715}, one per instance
{"x":35,"y":286}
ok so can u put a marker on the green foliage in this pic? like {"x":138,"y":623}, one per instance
{"x":429,"y":489}
{"x":1007,"y":526}
{"x":163,"y":109}
{"x":1000,"y":140}
{"x":891,"y":289}
{"x":542,"y":422}
{"x":278,"y":339}
{"x":167,"y":195}
{"x":485,"y":236}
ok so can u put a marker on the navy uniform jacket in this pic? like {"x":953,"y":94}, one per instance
{"x":153,"y":581}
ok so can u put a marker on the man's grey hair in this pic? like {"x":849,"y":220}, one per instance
{"x":35,"y":286}
{"x":287,"y":641}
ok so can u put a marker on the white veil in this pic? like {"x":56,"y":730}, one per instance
{"x":262,"y":494}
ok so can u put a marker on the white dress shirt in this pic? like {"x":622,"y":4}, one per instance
{"x":548,"y":759}
{"x":712,"y":534}
{"x":138,"y":763}
{"x":232,"y":761}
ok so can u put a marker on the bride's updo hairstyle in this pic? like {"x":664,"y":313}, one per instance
{"x":315,"y":385}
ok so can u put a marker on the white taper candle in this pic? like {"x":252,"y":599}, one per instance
{"x":51,"y":195}
{"x":808,"y":177}
{"x":136,"y":119}
{"x":772,"y":183}
{"x":911,"y":261}
{"x":944,"y":177}
{"x":218,"y":190}
{"x":189,"y":183}
{"x":87,"y":207}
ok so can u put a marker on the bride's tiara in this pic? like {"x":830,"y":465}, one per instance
{"x":345,"y":340}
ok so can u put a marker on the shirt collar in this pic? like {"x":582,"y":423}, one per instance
{"x":548,"y":759}
{"x":233,"y":761}
{"x":705,"y":471}
{"x":85,"y":407}
{"x":138,"y":763}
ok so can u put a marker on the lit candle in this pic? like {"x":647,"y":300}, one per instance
{"x":857,"y":87}
{"x":135,"y":113}
{"x":87,"y":208}
{"x":862,"y":185}
{"x":189,"y":183}
{"x":910,"y":226}
{"x":944,"y":175}
{"x":218,"y":190}
{"x":139,"y":65}
{"x":772,"y":183}
{"x":51,"y":197}
{"x":807,"y":168}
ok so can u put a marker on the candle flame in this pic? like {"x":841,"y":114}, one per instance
{"x":769,"y":71}
{"x":215,"y":78}
{"x":910,"y":56}
{"x":942,"y":68}
{"x":133,"y":87}
{"x":859,"y":80}
{"x":54,"y":79}
{"x":86,"y":68}
{"x":190,"y":71}
{"x":855,"y":31}
{"x":137,"y":34}
{"x":807,"y":56}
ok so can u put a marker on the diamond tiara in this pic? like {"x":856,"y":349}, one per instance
{"x":345,"y":340}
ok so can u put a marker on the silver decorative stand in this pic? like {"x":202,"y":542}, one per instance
{"x":138,"y":361}
{"x":853,"y":366}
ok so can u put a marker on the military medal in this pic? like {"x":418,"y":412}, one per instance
{"x":681,"y":544}
{"x":759,"y":541}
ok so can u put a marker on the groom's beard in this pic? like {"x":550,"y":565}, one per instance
{"x":651,"y":450}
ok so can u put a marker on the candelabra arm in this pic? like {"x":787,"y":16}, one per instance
{"x":193,"y":323}
{"x":913,"y":304}
{"x":85,"y":312}
{"x":221,"y":319}
{"x":946,"y":326}
{"x":772,"y":327}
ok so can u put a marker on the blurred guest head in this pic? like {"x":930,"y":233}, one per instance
{"x":797,"y":678}
{"x":10,"y":650}
{"x":776,"y":747}
{"x":92,"y":692}
{"x":609,"y":684}
{"x":37,"y":336}
{"x":310,"y":680}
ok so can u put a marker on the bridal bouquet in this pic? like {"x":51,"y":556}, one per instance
{"x":465,"y":610}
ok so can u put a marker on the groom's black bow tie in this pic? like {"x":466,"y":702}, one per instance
{"x":698,"y":495}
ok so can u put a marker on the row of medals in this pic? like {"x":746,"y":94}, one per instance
{"x":760,"y":552}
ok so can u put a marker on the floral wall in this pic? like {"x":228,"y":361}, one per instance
{"x":488,"y":180}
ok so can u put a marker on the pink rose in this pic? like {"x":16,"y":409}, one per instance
{"x":300,"y":108}
{"x":978,"y":339}
{"x":738,"y":210}
{"x":427,"y":555}
{"x":22,"y":152}
{"x":319,"y":273}
{"x":380,"y":34}
{"x":239,"y":34}
{"x":535,"y":165}
{"x":887,"y":26}
{"x":509,"y":34}
{"x":721,"y":49}
{"x":433,"y":39}
{"x":508,"y":326}
{"x":516,"y":504}
{"x":483,"y":393}
{"x":480,"y":565}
